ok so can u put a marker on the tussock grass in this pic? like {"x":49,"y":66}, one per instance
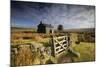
{"x":86,"y":50}
{"x":25,"y":57}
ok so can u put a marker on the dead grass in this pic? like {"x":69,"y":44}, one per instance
{"x":26,"y":57}
{"x":86,"y":49}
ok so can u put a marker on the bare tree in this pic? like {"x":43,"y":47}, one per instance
{"x":60,"y":27}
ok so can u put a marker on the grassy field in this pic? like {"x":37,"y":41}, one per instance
{"x":85,"y":50}
{"x":27,"y":57}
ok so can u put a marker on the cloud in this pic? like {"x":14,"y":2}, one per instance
{"x":70,"y":16}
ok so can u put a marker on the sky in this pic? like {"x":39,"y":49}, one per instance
{"x":29,"y":14}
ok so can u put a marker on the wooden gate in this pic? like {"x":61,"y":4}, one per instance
{"x":59,"y":45}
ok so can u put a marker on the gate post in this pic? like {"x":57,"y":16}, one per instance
{"x":53,"y":51}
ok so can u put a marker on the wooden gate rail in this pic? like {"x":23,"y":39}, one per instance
{"x":59,"y":45}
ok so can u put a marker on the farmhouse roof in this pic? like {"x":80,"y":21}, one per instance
{"x":47,"y":25}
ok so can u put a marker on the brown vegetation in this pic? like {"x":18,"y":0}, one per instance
{"x":28,"y":56}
